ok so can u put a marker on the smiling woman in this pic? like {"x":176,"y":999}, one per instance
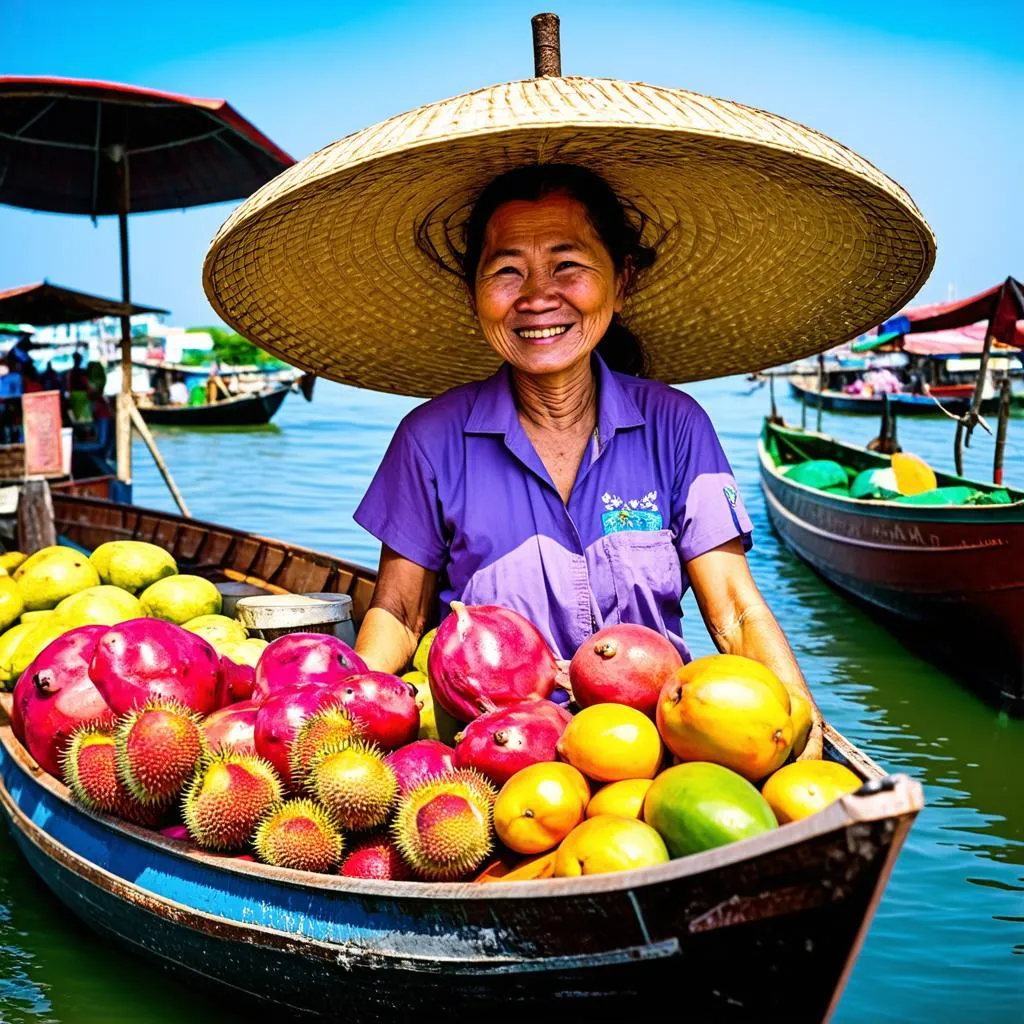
{"x":572,"y":493}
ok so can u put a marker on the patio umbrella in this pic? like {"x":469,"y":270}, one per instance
{"x":102,"y":149}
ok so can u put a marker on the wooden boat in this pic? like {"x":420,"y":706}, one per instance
{"x":953,"y":576}
{"x":762,"y":929}
{"x":954,"y":398}
{"x":238,"y":411}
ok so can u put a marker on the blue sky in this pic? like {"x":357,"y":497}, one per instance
{"x":930,"y":92}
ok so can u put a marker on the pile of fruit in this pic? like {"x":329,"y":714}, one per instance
{"x":297,"y":754}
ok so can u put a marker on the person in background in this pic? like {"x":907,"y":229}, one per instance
{"x":79,"y":404}
{"x":31,"y":380}
{"x":179,"y":390}
{"x":77,"y":378}
{"x":50,"y":378}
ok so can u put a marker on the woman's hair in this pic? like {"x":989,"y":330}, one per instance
{"x":618,"y":227}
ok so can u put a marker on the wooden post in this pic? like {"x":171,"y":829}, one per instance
{"x":140,"y":425}
{"x":821,"y":388}
{"x":36,"y":528}
{"x":547,"y":50}
{"x":969,"y":420}
{"x":803,"y":408}
{"x":1004,"y":420}
{"x":123,"y":427}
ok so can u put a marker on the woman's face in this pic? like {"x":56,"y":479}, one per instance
{"x":546,"y":287}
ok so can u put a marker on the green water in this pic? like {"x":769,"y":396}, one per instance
{"x":947,"y":943}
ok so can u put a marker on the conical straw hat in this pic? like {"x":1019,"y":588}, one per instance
{"x":775,"y":242}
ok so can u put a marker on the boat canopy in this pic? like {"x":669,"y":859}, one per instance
{"x":973,"y":311}
{"x":45,"y":304}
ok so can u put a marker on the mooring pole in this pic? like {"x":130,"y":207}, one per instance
{"x":1004,"y":421}
{"x":122,"y":422}
{"x":547,"y":49}
{"x":821,"y":388}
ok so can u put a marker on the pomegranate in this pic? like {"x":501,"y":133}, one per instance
{"x":623,"y":664}
{"x":140,"y":659}
{"x":417,"y":762}
{"x":237,"y":682}
{"x":485,"y":657}
{"x":384,"y":705}
{"x":279,"y":719}
{"x":304,"y":658}
{"x":513,"y":737}
{"x":55,"y":695}
{"x":232,"y":728}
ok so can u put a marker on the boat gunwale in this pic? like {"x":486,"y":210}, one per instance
{"x":906,"y":798}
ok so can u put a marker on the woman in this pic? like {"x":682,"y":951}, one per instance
{"x":566,"y":485}
{"x":572,"y":493}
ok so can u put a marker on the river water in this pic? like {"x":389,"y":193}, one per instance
{"x":947,"y":942}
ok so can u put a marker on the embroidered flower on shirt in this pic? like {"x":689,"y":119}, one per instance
{"x":632,"y":514}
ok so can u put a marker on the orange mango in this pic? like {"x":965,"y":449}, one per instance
{"x":539,"y":806}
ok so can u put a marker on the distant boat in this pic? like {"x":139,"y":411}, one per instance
{"x":953,"y":398}
{"x":246,"y":410}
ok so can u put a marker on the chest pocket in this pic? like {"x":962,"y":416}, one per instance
{"x":646,"y":572}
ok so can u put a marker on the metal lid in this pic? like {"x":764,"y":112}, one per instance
{"x":284,"y":611}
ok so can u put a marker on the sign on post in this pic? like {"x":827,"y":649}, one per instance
{"x":40,"y":413}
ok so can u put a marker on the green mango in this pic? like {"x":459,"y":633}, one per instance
{"x":698,"y":805}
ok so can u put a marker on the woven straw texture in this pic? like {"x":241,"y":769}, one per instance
{"x":776,"y":241}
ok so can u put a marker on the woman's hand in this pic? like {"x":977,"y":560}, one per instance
{"x":740,"y":622}
{"x":402,"y":602}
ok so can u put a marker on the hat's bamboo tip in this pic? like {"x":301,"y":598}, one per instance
{"x":547,"y":50}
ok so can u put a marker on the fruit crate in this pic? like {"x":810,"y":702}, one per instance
{"x":12,"y":461}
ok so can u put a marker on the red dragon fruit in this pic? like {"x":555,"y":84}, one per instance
{"x":304,"y":658}
{"x":384,"y":705}
{"x":417,"y":762}
{"x":55,"y":695}
{"x":279,"y":719}
{"x":232,"y":728}
{"x":513,"y":737}
{"x":237,"y":681}
{"x":142,"y":659}
{"x":485,"y":657}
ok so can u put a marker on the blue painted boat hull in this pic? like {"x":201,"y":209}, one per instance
{"x":731,"y":934}
{"x":902,"y":403}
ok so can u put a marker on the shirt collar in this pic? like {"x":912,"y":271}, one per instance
{"x":494,"y":410}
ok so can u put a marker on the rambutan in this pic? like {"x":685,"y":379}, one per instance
{"x":443,"y":828}
{"x":89,"y":767}
{"x":354,"y":784}
{"x":228,"y":796}
{"x":331,"y":726}
{"x":158,"y":748}
{"x":299,"y":834}
{"x":375,"y":856}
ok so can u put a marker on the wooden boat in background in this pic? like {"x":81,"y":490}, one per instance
{"x":954,"y":398}
{"x":766,"y":928}
{"x":953,"y":575}
{"x":245,"y":410}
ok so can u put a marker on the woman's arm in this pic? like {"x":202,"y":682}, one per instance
{"x":401,"y":606}
{"x":740,"y":622}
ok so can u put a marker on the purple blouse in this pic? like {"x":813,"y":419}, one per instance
{"x":461,"y":491}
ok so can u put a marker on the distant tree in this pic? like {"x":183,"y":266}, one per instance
{"x":233,"y":349}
